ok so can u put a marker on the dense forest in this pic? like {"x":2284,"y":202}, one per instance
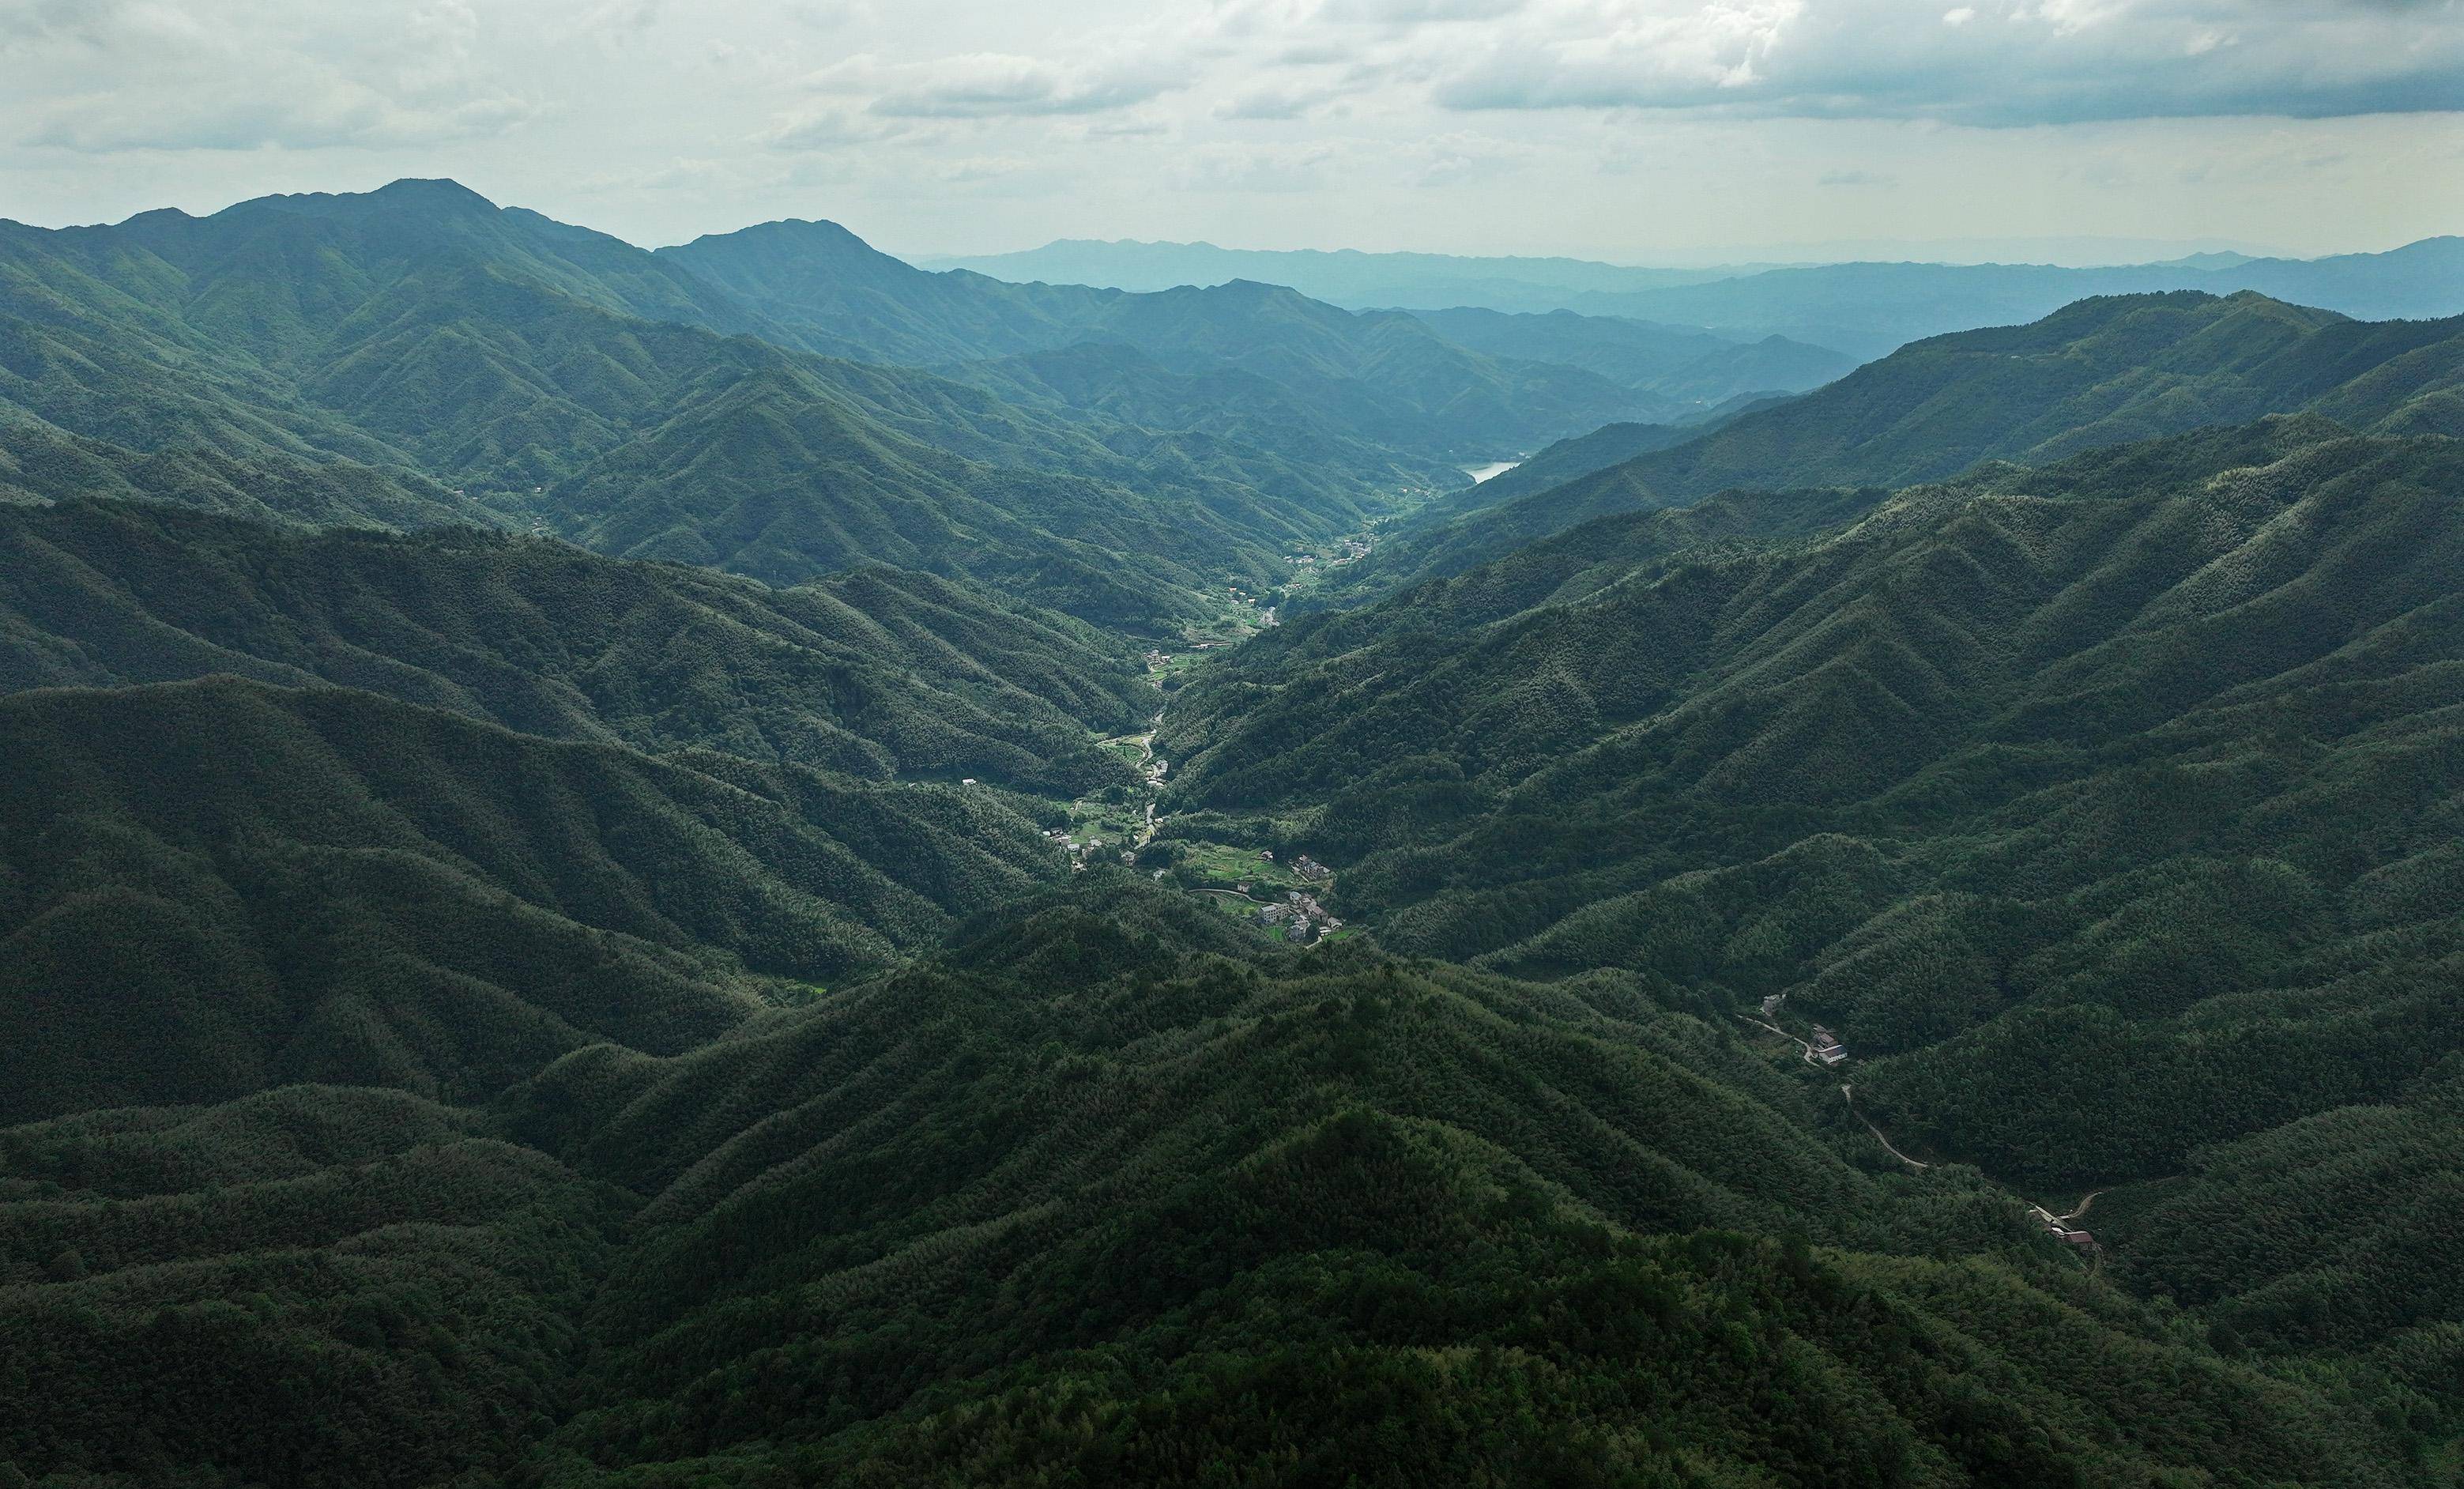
{"x":1106,"y":1194}
{"x":629,"y":870}
{"x":2098,"y":372}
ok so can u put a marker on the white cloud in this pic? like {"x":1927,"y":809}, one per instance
{"x":985,"y":84}
{"x":831,"y":128}
{"x":1251,"y":169}
{"x":2055,"y":61}
{"x":962,"y":122}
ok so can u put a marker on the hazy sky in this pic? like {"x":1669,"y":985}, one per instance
{"x":1629,"y":130}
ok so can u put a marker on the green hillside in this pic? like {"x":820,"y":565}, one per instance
{"x":1380,"y":377}
{"x":876,"y":673}
{"x":597,"y":894}
{"x":432,"y":356}
{"x":1692,"y":367}
{"x":1103,"y":1195}
{"x":218,"y":885}
{"x":2098,"y":372}
{"x":2107,"y":807}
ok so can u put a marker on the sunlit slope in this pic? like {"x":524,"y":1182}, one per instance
{"x":2096,"y":373}
{"x":2110,"y":801}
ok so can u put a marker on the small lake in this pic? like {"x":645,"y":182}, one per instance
{"x":1489,"y":471}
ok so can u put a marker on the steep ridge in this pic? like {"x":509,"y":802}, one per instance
{"x":216,"y":885}
{"x":1568,"y":461}
{"x":1381,"y":377}
{"x":2100,"y":372}
{"x":517,"y":370}
{"x":1105,"y":1193}
{"x":2035,"y":782}
{"x":1693,"y":367}
{"x":877,"y":674}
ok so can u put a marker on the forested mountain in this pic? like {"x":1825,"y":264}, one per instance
{"x":1864,"y":309}
{"x":1104,"y":1193}
{"x":218,"y":885}
{"x":604,"y":885}
{"x":1694,"y":368}
{"x":2107,"y":809}
{"x":879,"y":673}
{"x":2100,"y":372}
{"x":491,"y":365}
{"x":1349,"y":277}
{"x":1378,"y":376}
{"x":1570,"y":460}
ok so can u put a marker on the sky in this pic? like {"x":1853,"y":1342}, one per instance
{"x":1638,"y":131}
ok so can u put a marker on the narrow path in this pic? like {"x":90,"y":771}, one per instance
{"x":1846,"y":1094}
{"x":1782,"y":1032}
{"x":2051,"y":1218}
{"x":1234,"y":894}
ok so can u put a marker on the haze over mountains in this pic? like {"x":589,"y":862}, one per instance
{"x":1863,"y":310}
{"x":751,"y":865}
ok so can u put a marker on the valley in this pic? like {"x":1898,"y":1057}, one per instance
{"x":748,"y":864}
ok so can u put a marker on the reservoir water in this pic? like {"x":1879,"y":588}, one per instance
{"x":1491,"y":470}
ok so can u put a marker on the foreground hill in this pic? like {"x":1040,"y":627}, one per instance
{"x":2112,"y":803}
{"x":217,"y":885}
{"x":1102,"y":1194}
{"x":2100,"y":372}
{"x":877,"y":674}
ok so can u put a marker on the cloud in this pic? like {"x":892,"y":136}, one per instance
{"x":832,"y":128}
{"x":996,"y":85}
{"x":1274,"y":168}
{"x":1414,"y":13}
{"x":325,"y":118}
{"x":259,"y":74}
{"x":2052,"y":61}
{"x":1277,"y":101}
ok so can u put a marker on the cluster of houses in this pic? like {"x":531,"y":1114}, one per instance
{"x":1300,"y":917}
{"x":1079,"y":851}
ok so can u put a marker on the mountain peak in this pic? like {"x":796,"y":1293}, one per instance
{"x":434,"y":197}
{"x":807,"y":240}
{"x":441,"y":191}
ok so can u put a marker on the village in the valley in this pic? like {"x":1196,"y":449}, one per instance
{"x":1283,"y":898}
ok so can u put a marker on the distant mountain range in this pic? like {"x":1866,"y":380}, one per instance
{"x":1380,"y":376}
{"x":1344,"y":277}
{"x":417,"y":354}
{"x":1863,"y":310}
{"x":1695,"y":367}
